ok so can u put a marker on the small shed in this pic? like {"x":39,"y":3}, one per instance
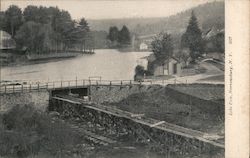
{"x":168,"y":67}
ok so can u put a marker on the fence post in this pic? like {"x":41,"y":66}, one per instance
{"x":47,"y":85}
{"x":174,"y":81}
{"x":5,"y":88}
{"x":53,"y":85}
{"x":76,"y":81}
{"x":30,"y":88}
{"x":22,"y":88}
{"x":38,"y":87}
{"x":13,"y":89}
{"x":83,"y":82}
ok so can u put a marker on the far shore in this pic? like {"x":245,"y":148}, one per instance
{"x":44,"y":58}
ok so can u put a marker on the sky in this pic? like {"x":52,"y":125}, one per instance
{"x":112,"y":9}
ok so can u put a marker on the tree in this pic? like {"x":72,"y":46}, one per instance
{"x":39,"y":15}
{"x":113,"y":34}
{"x":2,"y":21}
{"x":124,"y":36}
{"x":64,"y":28}
{"x":219,"y":42}
{"x":183,"y":55}
{"x":83,"y":32}
{"x":35,"y":37}
{"x":162,"y":47}
{"x":139,"y":72}
{"x":192,"y":38}
{"x":84,"y":25}
{"x":13,"y":19}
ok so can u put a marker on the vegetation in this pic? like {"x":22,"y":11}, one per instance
{"x":42,"y":29}
{"x":139,"y":73}
{"x":119,"y":38}
{"x":210,"y":14}
{"x":192,"y":38}
{"x":28,"y":132}
{"x":162,"y":47}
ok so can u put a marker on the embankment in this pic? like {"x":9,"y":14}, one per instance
{"x":169,"y":104}
{"x":110,"y":94}
{"x":39,"y":99}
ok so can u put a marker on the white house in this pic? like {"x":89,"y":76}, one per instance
{"x":143,"y":46}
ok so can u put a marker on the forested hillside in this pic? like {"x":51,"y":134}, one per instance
{"x":208,"y":15}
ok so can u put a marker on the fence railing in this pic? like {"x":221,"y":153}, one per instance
{"x":39,"y":86}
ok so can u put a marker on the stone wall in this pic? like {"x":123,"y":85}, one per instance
{"x":161,"y":140}
{"x":100,"y":94}
{"x":39,"y":99}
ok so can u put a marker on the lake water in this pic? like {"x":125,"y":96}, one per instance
{"x":110,"y":64}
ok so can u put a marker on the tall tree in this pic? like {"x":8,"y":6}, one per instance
{"x":192,"y":38}
{"x":124,"y":36}
{"x":83,"y":31}
{"x":13,"y":19}
{"x":113,"y":33}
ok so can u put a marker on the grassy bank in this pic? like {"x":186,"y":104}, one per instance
{"x":26,"y":132}
{"x":163,"y":104}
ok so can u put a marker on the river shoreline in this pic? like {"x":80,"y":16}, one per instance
{"x":44,"y":58}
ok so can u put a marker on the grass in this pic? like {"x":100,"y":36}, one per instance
{"x":26,"y":132}
{"x":220,"y":78}
{"x":163,"y":105}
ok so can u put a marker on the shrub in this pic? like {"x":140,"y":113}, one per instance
{"x":27,"y":131}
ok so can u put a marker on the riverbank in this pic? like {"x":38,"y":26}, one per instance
{"x":27,"y":59}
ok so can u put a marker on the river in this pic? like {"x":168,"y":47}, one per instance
{"x":110,"y":64}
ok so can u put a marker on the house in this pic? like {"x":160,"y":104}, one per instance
{"x":143,"y":43}
{"x":143,"y":46}
{"x":6,"y":42}
{"x":7,"y":46}
{"x":171,"y":67}
{"x":166,"y":67}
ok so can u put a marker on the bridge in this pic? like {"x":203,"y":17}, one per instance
{"x":78,"y":83}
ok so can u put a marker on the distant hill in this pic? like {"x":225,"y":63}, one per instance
{"x":209,"y":15}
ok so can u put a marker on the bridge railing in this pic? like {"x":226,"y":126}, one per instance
{"x":14,"y":88}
